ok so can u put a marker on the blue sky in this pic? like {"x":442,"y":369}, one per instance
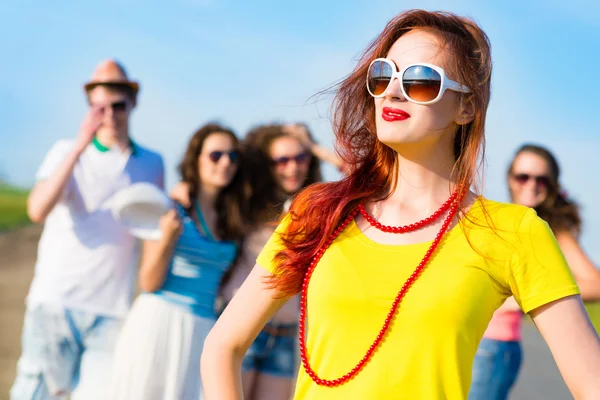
{"x":248,"y":62}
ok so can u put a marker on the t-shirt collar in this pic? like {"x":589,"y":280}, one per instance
{"x":103,"y":149}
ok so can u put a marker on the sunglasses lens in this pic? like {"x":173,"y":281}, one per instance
{"x":234,"y":156}
{"x":281,"y":161}
{"x":301,"y":158}
{"x":542,"y":181}
{"x":379,"y":77}
{"x":215,"y":156}
{"x":521,"y":178}
{"x":119,"y":106}
{"x":421,"y":83}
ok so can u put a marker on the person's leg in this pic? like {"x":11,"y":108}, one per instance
{"x":49,"y":356}
{"x":495,"y":369}
{"x":484,"y":370}
{"x":277,"y":371}
{"x":99,"y":335}
{"x":510,"y":370}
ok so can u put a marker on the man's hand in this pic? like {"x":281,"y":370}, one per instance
{"x":90,"y":124}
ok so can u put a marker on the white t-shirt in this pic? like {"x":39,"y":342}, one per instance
{"x":86,"y":259}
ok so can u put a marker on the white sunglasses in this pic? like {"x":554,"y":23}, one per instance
{"x":421,"y":83}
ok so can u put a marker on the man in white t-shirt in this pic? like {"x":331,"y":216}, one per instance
{"x":84,"y":275}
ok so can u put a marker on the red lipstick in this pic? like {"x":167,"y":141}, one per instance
{"x":394,"y":114}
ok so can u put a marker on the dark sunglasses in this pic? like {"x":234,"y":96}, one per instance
{"x":233,"y":156}
{"x":117,"y":106}
{"x":301,"y":158}
{"x":541,"y":180}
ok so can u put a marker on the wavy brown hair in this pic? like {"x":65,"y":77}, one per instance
{"x":264,"y":197}
{"x":230,"y":224}
{"x":560,"y":212}
{"x":318,"y":210}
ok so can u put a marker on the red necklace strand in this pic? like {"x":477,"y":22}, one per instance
{"x":411,"y":227}
{"x":451,"y":204}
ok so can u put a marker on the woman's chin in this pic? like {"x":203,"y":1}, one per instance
{"x":531,"y":203}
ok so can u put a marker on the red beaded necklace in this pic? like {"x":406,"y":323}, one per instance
{"x":451,"y":204}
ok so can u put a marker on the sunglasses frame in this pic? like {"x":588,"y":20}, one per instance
{"x":280,"y":160}
{"x":446,"y":82}
{"x":115,"y":106}
{"x":233,"y":160}
{"x":539,"y":180}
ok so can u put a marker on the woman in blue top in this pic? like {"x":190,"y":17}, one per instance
{"x":158,"y":353}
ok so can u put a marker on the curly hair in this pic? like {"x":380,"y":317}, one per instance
{"x":230,"y":222}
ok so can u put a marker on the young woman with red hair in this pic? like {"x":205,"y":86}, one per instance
{"x":400,"y":265}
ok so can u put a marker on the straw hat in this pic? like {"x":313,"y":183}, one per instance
{"x":110,"y":72}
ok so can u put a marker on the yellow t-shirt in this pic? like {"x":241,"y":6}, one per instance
{"x":429,"y":349}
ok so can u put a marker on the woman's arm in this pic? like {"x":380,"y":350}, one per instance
{"x":586,"y":274}
{"x":250,"y":309}
{"x":157,"y":254}
{"x":574,"y":343}
{"x":326,"y":155}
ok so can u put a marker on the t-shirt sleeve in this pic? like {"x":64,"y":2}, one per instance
{"x":539,"y":273}
{"x":54,"y":158}
{"x":266,"y":258}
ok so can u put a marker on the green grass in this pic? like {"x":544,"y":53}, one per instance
{"x":593,"y":310}
{"x":13,"y":208}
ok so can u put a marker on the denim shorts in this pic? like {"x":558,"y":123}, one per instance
{"x":273,"y":355}
{"x":64,"y":351}
{"x":495,"y":369}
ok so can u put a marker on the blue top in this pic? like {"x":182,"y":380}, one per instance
{"x":196,"y":269}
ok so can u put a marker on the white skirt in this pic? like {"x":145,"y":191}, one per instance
{"x":157,"y":356}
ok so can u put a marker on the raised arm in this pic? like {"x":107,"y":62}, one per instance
{"x":574,"y":343}
{"x":324,"y":154}
{"x":157,"y":254}
{"x":47,"y":192}
{"x":252,"y":306}
{"x":586,"y":274}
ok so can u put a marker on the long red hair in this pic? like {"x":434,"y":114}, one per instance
{"x":317,"y":211}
